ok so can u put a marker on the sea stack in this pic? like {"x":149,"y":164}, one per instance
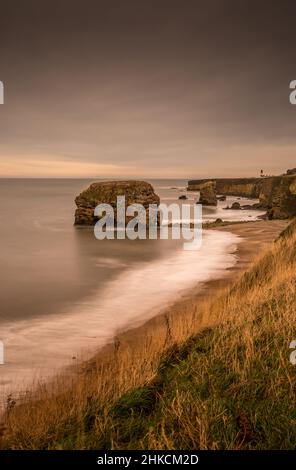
{"x":106,"y":192}
{"x":208,"y":195}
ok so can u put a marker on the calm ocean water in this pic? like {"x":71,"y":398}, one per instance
{"x":61,"y":290}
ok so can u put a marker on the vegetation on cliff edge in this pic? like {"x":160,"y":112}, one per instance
{"x":216,"y":375}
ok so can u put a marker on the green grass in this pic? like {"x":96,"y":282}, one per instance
{"x":214,"y":395}
{"x":225,"y":382}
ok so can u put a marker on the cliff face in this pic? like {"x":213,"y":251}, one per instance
{"x":245,"y":187}
{"x":277,"y":194}
{"x":292,"y":171}
{"x":135,"y":192}
{"x":208,"y":196}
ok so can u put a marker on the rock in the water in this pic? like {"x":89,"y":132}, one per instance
{"x":251,"y":207}
{"x":208,"y":195}
{"x":183,"y":197}
{"x":135,"y":192}
{"x":235,"y":206}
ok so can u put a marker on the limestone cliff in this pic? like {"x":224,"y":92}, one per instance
{"x":208,"y":195}
{"x":277,"y":194}
{"x":245,"y":187}
{"x":135,"y":192}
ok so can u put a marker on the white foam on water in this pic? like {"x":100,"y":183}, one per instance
{"x":39,"y":347}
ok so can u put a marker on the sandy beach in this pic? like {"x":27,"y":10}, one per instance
{"x":67,"y":336}
{"x":80,"y":292}
{"x":255,"y":238}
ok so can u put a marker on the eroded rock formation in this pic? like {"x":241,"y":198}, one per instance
{"x":276,"y":194}
{"x":106,"y":192}
{"x":208,"y":194}
{"x":245,"y":187}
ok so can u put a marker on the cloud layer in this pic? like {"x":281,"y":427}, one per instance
{"x":159,"y":88}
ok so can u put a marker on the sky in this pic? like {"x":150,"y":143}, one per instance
{"x":147,"y":89}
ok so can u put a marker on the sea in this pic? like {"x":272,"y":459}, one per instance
{"x":64,"y":294}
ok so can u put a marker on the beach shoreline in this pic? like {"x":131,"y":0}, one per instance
{"x":132,"y":359}
{"x":255,"y":238}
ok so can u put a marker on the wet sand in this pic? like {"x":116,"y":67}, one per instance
{"x":256,"y":237}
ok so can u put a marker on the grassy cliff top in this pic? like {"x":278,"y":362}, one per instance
{"x":240,"y":181}
{"x":232,"y":386}
{"x":227,"y":180}
{"x":218,"y":377}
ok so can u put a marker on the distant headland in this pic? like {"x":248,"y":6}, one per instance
{"x":276,"y":194}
